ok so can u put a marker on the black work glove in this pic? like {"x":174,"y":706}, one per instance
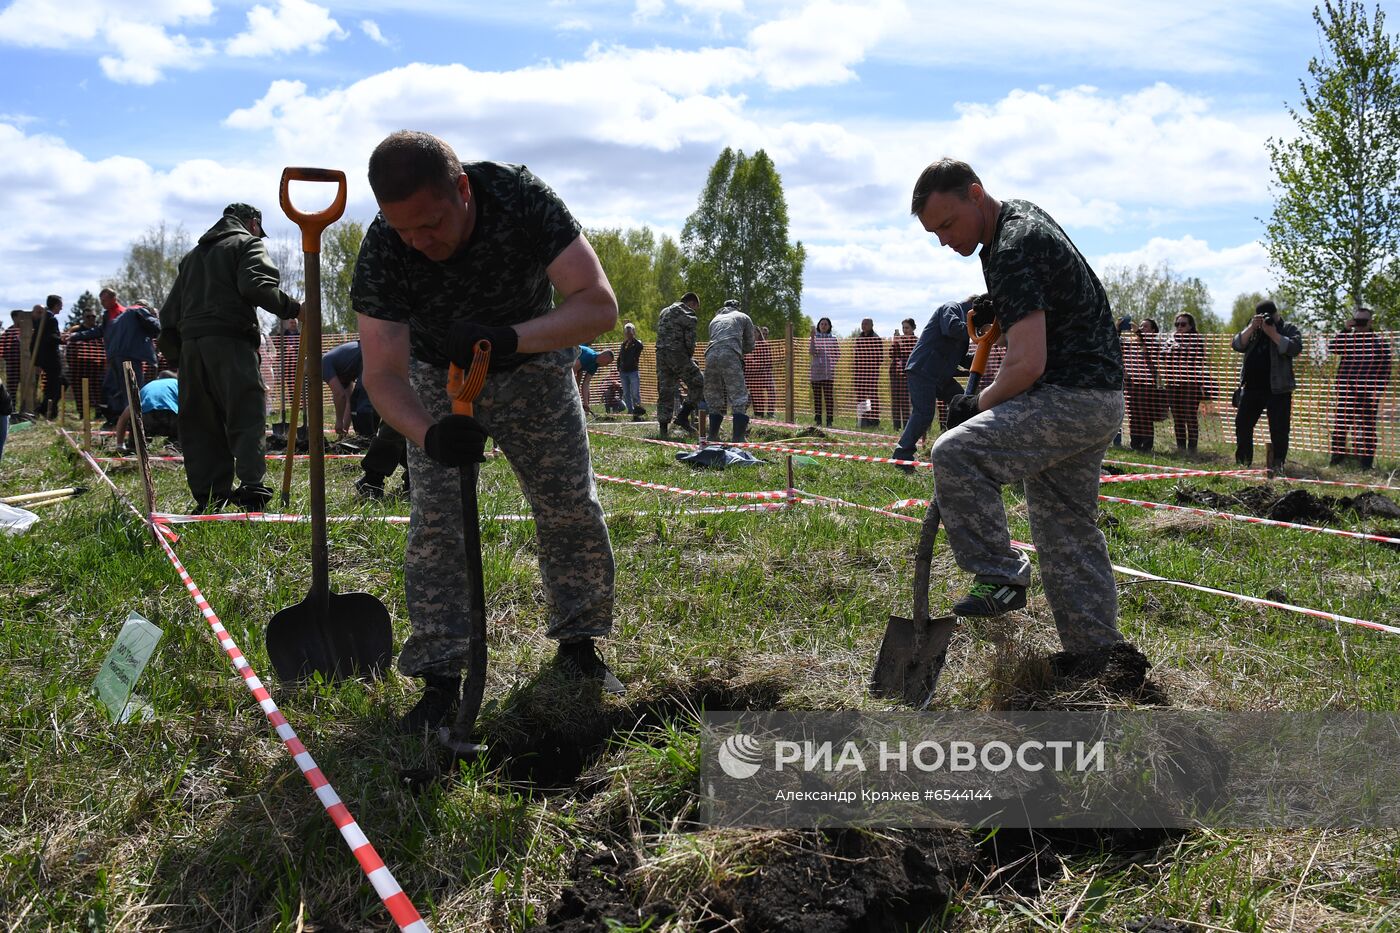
{"x":456,"y":441}
{"x":982,"y":314}
{"x":463,"y":335}
{"x":961,"y":408}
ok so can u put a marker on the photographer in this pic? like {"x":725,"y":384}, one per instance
{"x":1266,"y":382}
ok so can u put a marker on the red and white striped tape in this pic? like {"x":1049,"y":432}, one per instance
{"x":1253,"y":520}
{"x":1143,"y":575}
{"x":400,"y":907}
{"x":1332,"y":482}
{"x":1146,"y":466}
{"x":405,"y":915}
{"x":662,"y":487}
{"x":1181,"y":474}
{"x":875,"y":437}
{"x":181,"y":459}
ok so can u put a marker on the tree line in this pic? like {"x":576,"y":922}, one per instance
{"x":1333,"y":237}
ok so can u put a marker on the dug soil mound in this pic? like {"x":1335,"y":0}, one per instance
{"x":1067,"y":680}
{"x":1298,"y":505}
{"x":842,"y":881}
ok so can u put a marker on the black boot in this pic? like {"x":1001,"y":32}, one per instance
{"x":1366,"y":462}
{"x":436,"y":705}
{"x":715,"y":420}
{"x":741,"y":428}
{"x":1336,"y":460}
{"x":683,"y":418}
{"x":665,"y":428}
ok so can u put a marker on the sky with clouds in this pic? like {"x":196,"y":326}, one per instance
{"x":1141,"y":127}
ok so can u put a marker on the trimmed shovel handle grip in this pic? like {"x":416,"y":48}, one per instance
{"x":464,"y":385}
{"x":312,"y":224}
{"x":983,"y":342}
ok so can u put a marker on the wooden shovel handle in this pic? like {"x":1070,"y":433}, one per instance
{"x":312,"y":224}
{"x":464,"y":385}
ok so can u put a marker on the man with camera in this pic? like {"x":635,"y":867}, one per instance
{"x":1269,"y":345}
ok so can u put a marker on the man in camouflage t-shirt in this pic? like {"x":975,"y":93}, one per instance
{"x":1045,"y":420}
{"x":459,"y":253}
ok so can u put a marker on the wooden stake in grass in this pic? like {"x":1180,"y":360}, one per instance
{"x":87,"y":415}
{"x":138,"y":438}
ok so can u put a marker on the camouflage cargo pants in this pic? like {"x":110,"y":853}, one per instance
{"x":727,"y":389}
{"x":673,"y":368}
{"x":1051,"y":439}
{"x":534,"y":415}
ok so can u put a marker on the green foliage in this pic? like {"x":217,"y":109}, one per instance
{"x":151,"y":264}
{"x":1160,"y":294}
{"x":632,"y":259}
{"x":1336,"y":221}
{"x":736,"y":242}
{"x":86,"y":302}
{"x":339,"y":247}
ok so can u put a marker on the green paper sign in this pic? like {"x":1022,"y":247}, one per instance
{"x":135,"y":644}
{"x":802,"y":460}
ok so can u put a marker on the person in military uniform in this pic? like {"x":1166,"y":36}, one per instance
{"x":1044,"y":421}
{"x":732,"y":337}
{"x":675,"y":363}
{"x":209,"y":330}
{"x":462,"y":252}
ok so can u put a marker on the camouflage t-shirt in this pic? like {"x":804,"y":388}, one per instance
{"x":1032,"y":265}
{"x":498,"y":277}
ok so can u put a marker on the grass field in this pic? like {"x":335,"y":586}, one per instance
{"x":200,"y":820}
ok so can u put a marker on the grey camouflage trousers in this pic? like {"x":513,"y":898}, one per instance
{"x":673,"y":368}
{"x":727,"y":389}
{"x":1051,"y":439}
{"x":535,"y":417}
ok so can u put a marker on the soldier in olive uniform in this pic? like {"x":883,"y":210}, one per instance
{"x":675,"y":363}
{"x":732,"y":337}
{"x":209,"y":330}
{"x":1045,"y":420}
{"x":458,"y":253}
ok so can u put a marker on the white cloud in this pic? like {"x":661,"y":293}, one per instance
{"x":370,"y":28}
{"x":574,"y":24}
{"x":293,"y":25}
{"x":45,"y":184}
{"x":1019,"y":36}
{"x":135,"y":38}
{"x":648,"y":9}
{"x":819,"y":44}
{"x":1227,"y":272}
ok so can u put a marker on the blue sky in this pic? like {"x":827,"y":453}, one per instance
{"x":1140,"y":126}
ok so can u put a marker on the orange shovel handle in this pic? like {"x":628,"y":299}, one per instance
{"x":312,"y":224}
{"x":464,"y":385}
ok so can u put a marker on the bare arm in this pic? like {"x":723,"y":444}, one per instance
{"x":384,"y":345}
{"x":341,"y":398}
{"x":589,"y":307}
{"x":1024,"y":363}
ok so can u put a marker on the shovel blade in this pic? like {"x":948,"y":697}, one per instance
{"x":352,"y":636}
{"x":910,"y":659}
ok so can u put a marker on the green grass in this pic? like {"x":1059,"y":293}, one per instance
{"x":200,"y":820}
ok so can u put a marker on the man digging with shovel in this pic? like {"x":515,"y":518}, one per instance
{"x":1045,"y":421}
{"x":460,"y":253}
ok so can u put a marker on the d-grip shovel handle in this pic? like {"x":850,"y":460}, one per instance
{"x":312,"y":224}
{"x":983,"y":343}
{"x":464,"y":385}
